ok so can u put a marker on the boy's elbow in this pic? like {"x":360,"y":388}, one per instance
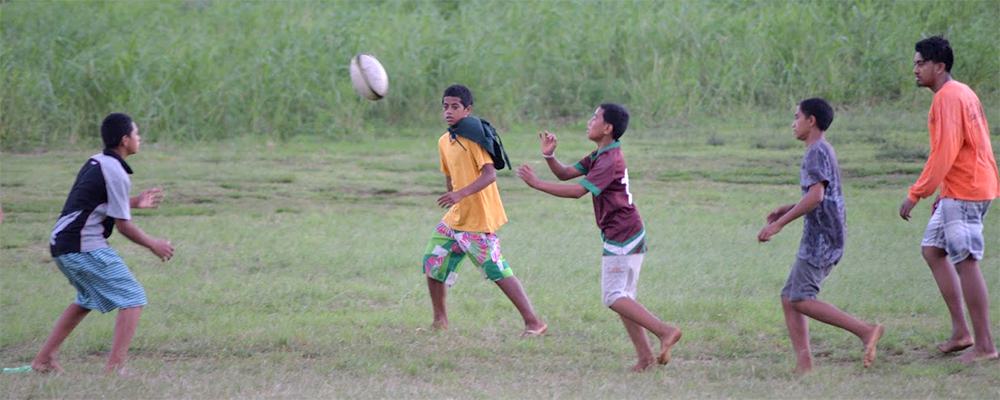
{"x":815,"y":201}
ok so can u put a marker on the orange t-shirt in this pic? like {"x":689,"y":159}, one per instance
{"x":961,"y":160}
{"x":462,"y":160}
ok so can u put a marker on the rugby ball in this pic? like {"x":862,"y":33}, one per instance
{"x":368,"y":77}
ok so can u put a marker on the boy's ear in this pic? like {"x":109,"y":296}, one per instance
{"x":812,"y":120}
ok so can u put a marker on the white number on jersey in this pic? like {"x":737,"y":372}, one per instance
{"x":624,"y":181}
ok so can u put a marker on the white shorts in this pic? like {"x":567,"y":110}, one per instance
{"x":620,"y":277}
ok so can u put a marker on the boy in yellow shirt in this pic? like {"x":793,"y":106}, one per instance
{"x":475,"y":213}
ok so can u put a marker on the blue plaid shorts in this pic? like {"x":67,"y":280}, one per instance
{"x":957,"y":227}
{"x":102,"y":280}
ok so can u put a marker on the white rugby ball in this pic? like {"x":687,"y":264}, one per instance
{"x":368,"y":77}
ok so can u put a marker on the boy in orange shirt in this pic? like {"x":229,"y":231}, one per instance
{"x":961,"y":163}
{"x":475,"y":213}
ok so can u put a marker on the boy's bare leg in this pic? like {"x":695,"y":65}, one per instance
{"x":798,"y":333}
{"x":978,"y":300}
{"x":641,"y":343}
{"x":948,"y":283}
{"x":831,"y":315}
{"x":47,"y":358}
{"x":438,"y":293}
{"x":125,"y":324}
{"x":668,"y":335}
{"x":511,"y":287}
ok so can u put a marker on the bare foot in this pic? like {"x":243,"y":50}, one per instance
{"x":953,"y":345}
{"x":871,"y":345}
{"x":643,"y":365}
{"x":666,"y":342}
{"x":46,"y":367}
{"x":439,"y":325}
{"x":803,"y":369}
{"x":975,"y":356}
{"x":535,"y":331}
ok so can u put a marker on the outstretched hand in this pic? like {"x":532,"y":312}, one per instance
{"x":527,"y":174}
{"x":548,"y":143}
{"x":149,"y":198}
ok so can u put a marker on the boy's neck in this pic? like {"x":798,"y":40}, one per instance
{"x":121,"y":152}
{"x":940,"y":83}
{"x":604,"y":142}
{"x":814,"y":136}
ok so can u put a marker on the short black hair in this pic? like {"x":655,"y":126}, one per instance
{"x":114,"y":128}
{"x":937,"y":49}
{"x":819,"y":109}
{"x":460,"y":91}
{"x":617,"y":116}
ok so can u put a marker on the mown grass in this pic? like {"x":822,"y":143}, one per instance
{"x":297,"y":273}
{"x":195,"y":70}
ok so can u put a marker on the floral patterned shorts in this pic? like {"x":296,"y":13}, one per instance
{"x":447,"y":248}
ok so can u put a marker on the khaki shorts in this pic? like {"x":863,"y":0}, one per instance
{"x":620,"y":277}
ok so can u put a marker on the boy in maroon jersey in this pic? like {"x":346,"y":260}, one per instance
{"x":606,"y":178}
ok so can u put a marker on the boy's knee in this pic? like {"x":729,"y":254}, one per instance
{"x":611,"y":297}
{"x":932,"y":254}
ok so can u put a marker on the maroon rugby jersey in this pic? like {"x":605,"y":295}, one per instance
{"x":617,"y":217}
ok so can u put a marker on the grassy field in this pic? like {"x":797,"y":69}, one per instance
{"x":297,"y":273}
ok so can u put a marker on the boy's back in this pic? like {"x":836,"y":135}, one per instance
{"x":99,"y":195}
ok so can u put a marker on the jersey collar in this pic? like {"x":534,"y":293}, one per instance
{"x":604,"y":149}
{"x":111,"y":153}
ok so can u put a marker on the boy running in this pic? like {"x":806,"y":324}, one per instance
{"x":822,"y":243}
{"x":475,"y":213}
{"x":606,"y":178}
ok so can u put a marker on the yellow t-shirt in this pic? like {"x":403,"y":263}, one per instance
{"x":463,"y":160}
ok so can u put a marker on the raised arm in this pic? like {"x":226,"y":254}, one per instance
{"x":572,"y":191}
{"x":562,"y":171}
{"x":781,"y":216}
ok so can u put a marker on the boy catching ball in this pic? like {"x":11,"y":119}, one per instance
{"x":606,"y":179}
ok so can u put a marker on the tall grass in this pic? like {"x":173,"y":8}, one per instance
{"x":199,"y":69}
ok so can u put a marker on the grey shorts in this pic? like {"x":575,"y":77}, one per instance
{"x":620,"y":277}
{"x":957,"y":227}
{"x":804,"y":280}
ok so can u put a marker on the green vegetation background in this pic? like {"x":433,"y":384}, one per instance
{"x":200,"y":69}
